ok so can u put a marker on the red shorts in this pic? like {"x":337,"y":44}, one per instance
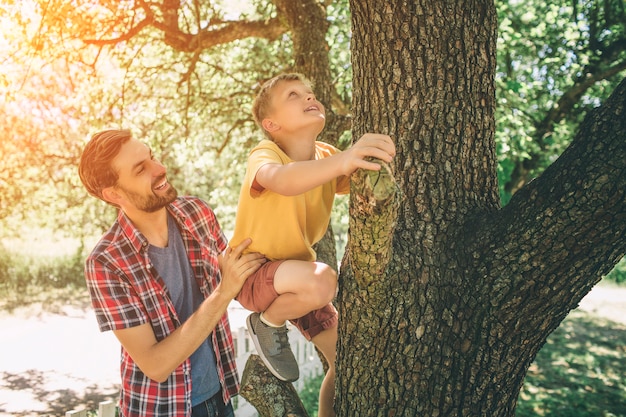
{"x":258,"y":293}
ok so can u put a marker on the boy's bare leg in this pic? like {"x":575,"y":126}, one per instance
{"x":302,"y":287}
{"x":326,"y":342}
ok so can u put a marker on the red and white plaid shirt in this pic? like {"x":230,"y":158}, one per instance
{"x":127,"y":291}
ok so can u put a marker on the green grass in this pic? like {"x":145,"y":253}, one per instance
{"x":580,"y":371}
{"x":44,"y":278}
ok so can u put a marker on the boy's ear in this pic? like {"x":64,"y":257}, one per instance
{"x":111,"y":195}
{"x":269,"y":125}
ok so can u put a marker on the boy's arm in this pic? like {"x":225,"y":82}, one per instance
{"x":301,"y":176}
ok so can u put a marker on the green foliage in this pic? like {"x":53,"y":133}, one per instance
{"x":310,"y":395}
{"x":556,"y":61}
{"x":338,"y":39}
{"x":579,"y":372}
{"x":618,"y":274}
{"x":21,"y":273}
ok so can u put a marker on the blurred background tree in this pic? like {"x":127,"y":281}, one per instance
{"x":555,"y":62}
{"x":182,"y":75}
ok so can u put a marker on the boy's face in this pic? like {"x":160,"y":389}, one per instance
{"x":294,"y":107}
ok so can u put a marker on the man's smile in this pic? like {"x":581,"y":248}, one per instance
{"x":161,"y":186}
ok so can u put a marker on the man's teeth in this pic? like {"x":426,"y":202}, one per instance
{"x":159,"y":187}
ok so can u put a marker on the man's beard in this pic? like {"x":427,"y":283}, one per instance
{"x":152,"y":202}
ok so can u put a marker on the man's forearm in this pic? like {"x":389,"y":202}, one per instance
{"x":159,"y":359}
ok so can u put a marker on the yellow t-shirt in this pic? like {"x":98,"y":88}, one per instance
{"x":284,"y":227}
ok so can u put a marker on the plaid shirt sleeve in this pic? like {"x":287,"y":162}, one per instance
{"x":113,"y":297}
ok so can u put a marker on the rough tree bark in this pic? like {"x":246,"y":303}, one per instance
{"x":270,"y":396}
{"x":445,"y":298}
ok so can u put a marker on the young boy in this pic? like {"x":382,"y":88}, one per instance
{"x":284,"y":206}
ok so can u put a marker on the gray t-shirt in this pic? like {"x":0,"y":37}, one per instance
{"x":174,"y":267}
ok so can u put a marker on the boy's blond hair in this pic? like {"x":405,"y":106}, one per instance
{"x":262,"y":103}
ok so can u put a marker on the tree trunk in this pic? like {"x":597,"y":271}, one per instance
{"x":445,"y":298}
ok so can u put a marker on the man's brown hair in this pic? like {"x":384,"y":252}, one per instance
{"x":262,"y":103}
{"x":95,"y":170}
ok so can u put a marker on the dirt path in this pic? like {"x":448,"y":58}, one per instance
{"x":606,"y":301}
{"x":53,"y":362}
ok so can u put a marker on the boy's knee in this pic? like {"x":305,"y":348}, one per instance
{"x":326,"y":285}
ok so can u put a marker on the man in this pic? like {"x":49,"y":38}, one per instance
{"x":161,"y":279}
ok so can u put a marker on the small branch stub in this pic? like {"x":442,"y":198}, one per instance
{"x":382,"y":184}
{"x":373,"y":214}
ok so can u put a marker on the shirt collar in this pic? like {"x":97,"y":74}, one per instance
{"x":135,"y":237}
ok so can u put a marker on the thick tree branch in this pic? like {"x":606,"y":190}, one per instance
{"x":217,"y":32}
{"x":270,"y":396}
{"x":208,"y":38}
{"x":564,"y":230}
{"x":131,"y":33}
{"x":557,"y":113}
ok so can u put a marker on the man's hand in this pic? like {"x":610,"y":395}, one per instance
{"x":236,"y":267}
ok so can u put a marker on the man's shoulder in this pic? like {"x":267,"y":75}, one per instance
{"x":111,"y":241}
{"x":193,"y":210}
